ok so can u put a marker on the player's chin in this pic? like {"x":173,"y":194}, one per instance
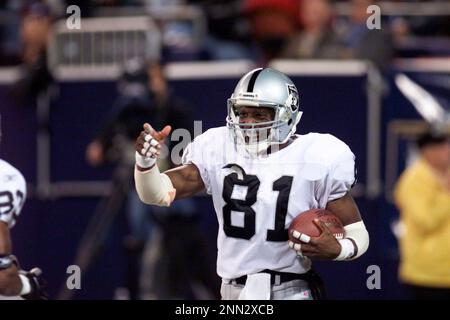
{"x":253,"y":140}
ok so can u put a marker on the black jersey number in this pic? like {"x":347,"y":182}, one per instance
{"x":251,"y":182}
{"x":7,"y":201}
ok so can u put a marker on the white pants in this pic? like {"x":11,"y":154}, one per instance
{"x":290,"y":290}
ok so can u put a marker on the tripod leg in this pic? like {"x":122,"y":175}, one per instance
{"x":92,"y":241}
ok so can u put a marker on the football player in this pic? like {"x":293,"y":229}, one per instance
{"x":13,"y":281}
{"x":261,"y":176}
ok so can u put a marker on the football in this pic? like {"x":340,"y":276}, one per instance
{"x":304,"y":223}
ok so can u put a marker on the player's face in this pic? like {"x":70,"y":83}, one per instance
{"x":255,"y":115}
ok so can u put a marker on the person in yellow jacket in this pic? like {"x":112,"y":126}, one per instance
{"x":423,"y":197}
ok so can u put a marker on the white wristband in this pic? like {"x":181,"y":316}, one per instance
{"x":347,"y":250}
{"x":144,"y":162}
{"x":26,"y":286}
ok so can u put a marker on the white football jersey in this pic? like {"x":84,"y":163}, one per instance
{"x":12,"y":193}
{"x":257,"y":198}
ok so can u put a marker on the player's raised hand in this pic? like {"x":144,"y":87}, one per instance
{"x":149,"y":142}
{"x":148,"y":145}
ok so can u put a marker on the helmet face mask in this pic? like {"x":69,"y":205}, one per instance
{"x":264,"y":88}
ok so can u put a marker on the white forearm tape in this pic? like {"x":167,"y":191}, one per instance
{"x":358,"y":233}
{"x":144,"y":162}
{"x":154,"y":187}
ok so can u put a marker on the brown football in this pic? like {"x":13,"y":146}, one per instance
{"x":304,"y":223}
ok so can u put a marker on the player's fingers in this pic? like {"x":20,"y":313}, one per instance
{"x":161,"y":135}
{"x":146,"y":150}
{"x":301,"y":236}
{"x":150,"y":142}
{"x":296,"y":246}
{"x":322,"y":226}
{"x":165,"y":132}
{"x":158,"y":135}
{"x":148,"y":128}
{"x":309,"y":255}
{"x":151,"y":152}
{"x":307,"y":248}
{"x":153,"y":143}
{"x":313,"y":241}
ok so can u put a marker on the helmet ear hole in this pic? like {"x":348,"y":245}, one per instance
{"x":289,"y":122}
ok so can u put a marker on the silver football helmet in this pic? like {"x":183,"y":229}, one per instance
{"x":264,"y":87}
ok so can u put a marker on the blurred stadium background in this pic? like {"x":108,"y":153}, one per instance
{"x":57,"y":84}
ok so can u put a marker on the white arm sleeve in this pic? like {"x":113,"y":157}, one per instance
{"x":154,"y":187}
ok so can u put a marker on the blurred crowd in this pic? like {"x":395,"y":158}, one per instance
{"x":259,"y":30}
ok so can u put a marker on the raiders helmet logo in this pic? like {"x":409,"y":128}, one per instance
{"x":293,"y":93}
